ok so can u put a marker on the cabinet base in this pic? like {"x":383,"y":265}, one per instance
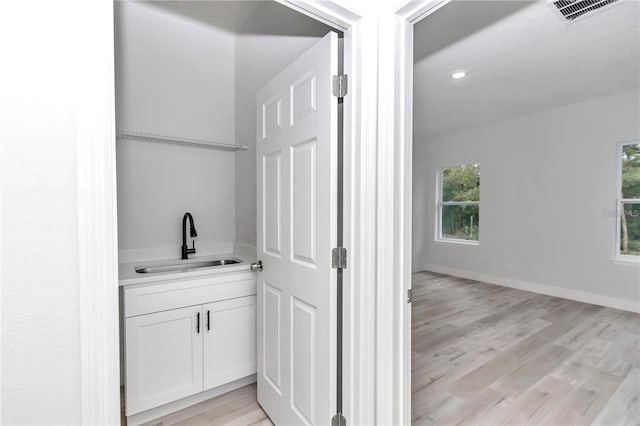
{"x":172,"y":407}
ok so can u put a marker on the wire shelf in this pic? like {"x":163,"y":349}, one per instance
{"x":197,"y":143}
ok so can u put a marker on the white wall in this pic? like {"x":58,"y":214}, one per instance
{"x":545,"y":180}
{"x":179,"y":76}
{"x":174,"y":76}
{"x":40,"y":330}
{"x":264,"y":46}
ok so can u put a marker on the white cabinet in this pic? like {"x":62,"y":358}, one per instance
{"x":229,"y":340}
{"x":173,"y":351}
{"x":164,"y":358}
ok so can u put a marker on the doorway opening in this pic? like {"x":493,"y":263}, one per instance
{"x":190,"y":195}
{"x":514,"y":128}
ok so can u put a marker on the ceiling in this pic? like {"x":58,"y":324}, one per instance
{"x":520,"y":58}
{"x":245,"y":16}
{"x":227,"y":15}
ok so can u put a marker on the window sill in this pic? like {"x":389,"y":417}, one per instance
{"x":627,"y":260}
{"x":468,"y":243}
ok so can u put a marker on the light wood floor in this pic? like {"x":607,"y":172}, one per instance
{"x":484,"y":354}
{"x":237,"y":408}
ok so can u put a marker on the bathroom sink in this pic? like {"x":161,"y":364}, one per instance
{"x":184,"y":266}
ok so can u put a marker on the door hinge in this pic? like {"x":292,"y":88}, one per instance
{"x":340,"y":85}
{"x":339,"y":258}
{"x":338,"y":420}
{"x":410,"y":295}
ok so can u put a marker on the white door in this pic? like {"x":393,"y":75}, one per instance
{"x":164,"y":357}
{"x":297,"y":191}
{"x":229,"y":339}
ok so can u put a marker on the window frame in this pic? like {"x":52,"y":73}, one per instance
{"x":440,"y":204}
{"x":619,"y":209}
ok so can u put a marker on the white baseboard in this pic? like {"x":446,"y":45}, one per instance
{"x":565,"y":293}
{"x":172,"y":407}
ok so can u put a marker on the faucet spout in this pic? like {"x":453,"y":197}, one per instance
{"x":186,"y":251}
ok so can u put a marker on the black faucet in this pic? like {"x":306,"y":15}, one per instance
{"x":186,"y":251}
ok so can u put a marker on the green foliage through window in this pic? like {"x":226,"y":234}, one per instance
{"x":461,"y":183}
{"x":630,"y":206}
{"x":460,"y":202}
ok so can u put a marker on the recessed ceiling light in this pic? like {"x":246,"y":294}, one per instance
{"x":458,"y":74}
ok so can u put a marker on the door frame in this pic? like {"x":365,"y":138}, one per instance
{"x":396,"y":119}
{"x":97,"y":211}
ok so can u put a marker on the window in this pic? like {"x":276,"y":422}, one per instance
{"x":628,"y":211}
{"x":459,"y":209}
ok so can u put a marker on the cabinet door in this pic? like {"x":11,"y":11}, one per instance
{"x":163,"y":357}
{"x":229,"y":340}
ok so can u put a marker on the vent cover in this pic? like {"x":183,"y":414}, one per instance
{"x":570,"y":11}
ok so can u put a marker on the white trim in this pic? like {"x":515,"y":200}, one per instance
{"x":404,"y":171}
{"x":97,"y":213}
{"x":328,"y":12}
{"x":360,"y":221}
{"x":398,"y":117}
{"x":97,"y":220}
{"x":390,"y":208}
{"x":626,"y":260}
{"x":470,"y":243}
{"x":394,"y":180}
{"x":460,"y":203}
{"x":549,"y":290}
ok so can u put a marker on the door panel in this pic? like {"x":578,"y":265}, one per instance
{"x":271,"y":117}
{"x":272,"y":214}
{"x":229,"y":339}
{"x":271,"y":353}
{"x":303,"y":197}
{"x":297,"y":218}
{"x":303,"y":97}
{"x":164,"y":358}
{"x":303,"y":360}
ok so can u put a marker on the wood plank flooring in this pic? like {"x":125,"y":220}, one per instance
{"x":238,"y":407}
{"x":484,"y":355}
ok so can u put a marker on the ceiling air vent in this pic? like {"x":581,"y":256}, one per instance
{"x":570,"y":11}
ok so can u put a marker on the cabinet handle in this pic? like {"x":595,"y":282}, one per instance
{"x":198,"y":323}
{"x":208,"y":320}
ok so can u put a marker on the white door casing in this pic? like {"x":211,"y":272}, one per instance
{"x":296,"y":148}
{"x":97,"y":205}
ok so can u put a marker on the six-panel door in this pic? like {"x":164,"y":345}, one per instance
{"x":229,"y":333}
{"x":296,"y":148}
{"x":164,"y":357}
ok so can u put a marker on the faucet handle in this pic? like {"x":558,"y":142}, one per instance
{"x":193,"y":245}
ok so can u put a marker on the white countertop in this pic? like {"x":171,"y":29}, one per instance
{"x":128,"y":276}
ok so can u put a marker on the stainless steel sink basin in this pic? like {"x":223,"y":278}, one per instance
{"x":184,"y":266}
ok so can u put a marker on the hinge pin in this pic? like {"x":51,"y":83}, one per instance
{"x":339,"y":258}
{"x":338,"y":420}
{"x":340,"y":83}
